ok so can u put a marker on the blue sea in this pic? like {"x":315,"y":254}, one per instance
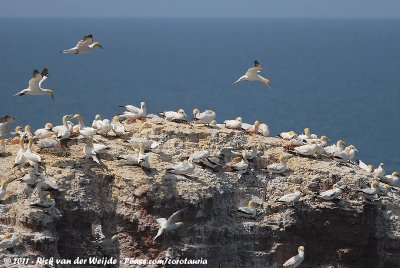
{"x":338,"y":77}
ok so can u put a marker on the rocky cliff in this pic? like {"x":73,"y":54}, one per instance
{"x":126,"y":200}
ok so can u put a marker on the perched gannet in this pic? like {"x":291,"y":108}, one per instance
{"x":83,"y":46}
{"x":198,"y":155}
{"x":351,"y":150}
{"x":45,"y":203}
{"x":306,"y":150}
{"x":34,"y":160}
{"x":84,"y":130}
{"x":2,"y":147}
{"x":136,"y":141}
{"x":336,"y":148}
{"x":17,"y":134}
{"x":45,"y":186}
{"x":251,"y":153}
{"x":31,"y":178}
{"x":3,"y":188}
{"x":280,"y":167}
{"x":252,"y":75}
{"x":129,"y":159}
{"x":45,"y":132}
{"x":20,"y":159}
{"x":91,"y":150}
{"x":295,"y":261}
{"x":117,"y":127}
{"x":369,"y":193}
{"x":96,"y":121}
{"x":252,"y":129}
{"x":383,"y":189}
{"x":47,"y":143}
{"x":35,"y":85}
{"x":263,"y":129}
{"x":368,"y":168}
{"x":142,"y":157}
{"x":168,"y":225}
{"x":342,"y":156}
{"x":170,"y":115}
{"x":69,"y":124}
{"x":291,"y":198}
{"x":205,"y":117}
{"x":214,"y":162}
{"x":241,"y":166}
{"x":307,"y":135}
{"x":5,"y":122}
{"x":250,"y":210}
{"x":134,"y":112}
{"x":214,"y":124}
{"x":234,"y":124}
{"x":182,"y":168}
{"x":10,"y":242}
{"x":331,"y":194}
{"x":104,"y":127}
{"x":27,"y":131}
{"x":322,"y":141}
{"x":64,"y":132}
{"x":288,"y":135}
{"x":393,"y":179}
{"x":380,"y":171}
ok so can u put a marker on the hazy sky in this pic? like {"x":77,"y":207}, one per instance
{"x":201,"y":8}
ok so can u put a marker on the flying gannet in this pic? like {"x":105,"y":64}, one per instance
{"x":252,"y":74}
{"x":83,"y":46}
{"x":168,"y":225}
{"x":35,"y":85}
{"x":295,"y":261}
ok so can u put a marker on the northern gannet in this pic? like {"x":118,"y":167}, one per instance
{"x":251,"y":153}
{"x":250,"y":210}
{"x":198,"y":155}
{"x":31,"y":178}
{"x":117,"y":127}
{"x":142,"y":157}
{"x":291,"y":198}
{"x":368,"y":168}
{"x":20,"y":159}
{"x":96,"y":121}
{"x":295,"y":261}
{"x":369,"y":193}
{"x":205,"y":117}
{"x":92,"y":150}
{"x":380,"y":171}
{"x":47,"y":143}
{"x":70,"y":125}
{"x":3,"y":150}
{"x":288,"y":135}
{"x":17,"y":134}
{"x":5,"y":122}
{"x":134,"y":112}
{"x":10,"y":242}
{"x":331,"y":194}
{"x":64,"y":132}
{"x":307,"y":135}
{"x":306,"y":150}
{"x":336,"y":148}
{"x":170,"y":115}
{"x":34,"y":160}
{"x":252,"y":75}
{"x":83,"y":46}
{"x":182,"y":168}
{"x":168,"y":225}
{"x":45,"y":203}
{"x":280,"y":167}
{"x":45,"y":132}
{"x":383,"y":189}
{"x":263,"y":130}
{"x":234,"y":124}
{"x":35,"y":85}
{"x":104,"y":127}
{"x":84,"y":130}
{"x":252,"y":129}
{"x":393,"y":179}
{"x":241,"y":166}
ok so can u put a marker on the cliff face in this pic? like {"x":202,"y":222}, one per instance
{"x":128,"y":199}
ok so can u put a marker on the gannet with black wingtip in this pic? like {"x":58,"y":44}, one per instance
{"x":35,"y":85}
{"x":368,"y":168}
{"x":168,"y":225}
{"x":171,"y":115}
{"x":234,"y":124}
{"x":20,"y":159}
{"x":369,"y":193}
{"x":5,"y":122}
{"x":380,"y":171}
{"x":295,"y":261}
{"x":331,"y":194}
{"x":3,"y":150}
{"x":182,"y":168}
{"x":249,"y":211}
{"x":3,"y":188}
{"x":205,"y":117}
{"x":34,"y":160}
{"x":252,"y":74}
{"x":383,"y":189}
{"x":45,"y":132}
{"x":290,"y":198}
{"x":10,"y":242}
{"x":117,"y":127}
{"x":278,"y":168}
{"x":83,"y":129}
{"x":83,"y":46}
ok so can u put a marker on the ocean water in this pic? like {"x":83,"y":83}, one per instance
{"x":338,"y":77}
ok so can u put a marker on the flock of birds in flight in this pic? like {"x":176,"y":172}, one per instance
{"x":50,"y":137}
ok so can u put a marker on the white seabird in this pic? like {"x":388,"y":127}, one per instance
{"x":34,"y":160}
{"x":252,"y":74}
{"x":83,"y":46}
{"x":331,"y":194}
{"x":35,"y":85}
{"x":103,"y":127}
{"x":117,"y":127}
{"x":168,"y":225}
{"x":249,"y":211}
{"x":198,"y":155}
{"x":47,"y":143}
{"x":263,"y":129}
{"x":335,"y":149}
{"x":234,"y":124}
{"x":182,"y":168}
{"x":205,"y":117}
{"x":45,"y":203}
{"x":83,"y":129}
{"x":5,"y":122}
{"x":45,"y":132}
{"x":290,"y":198}
{"x":20,"y":159}
{"x":369,"y":193}
{"x":280,"y":167}
{"x":64,"y":132}
{"x":306,"y":150}
{"x":31,"y":178}
{"x":252,"y":129}
{"x":307,"y":135}
{"x":380,"y":171}
{"x":393,"y":179}
{"x":134,"y":112}
{"x":91,"y":150}
{"x":171,"y":115}
{"x":295,"y":261}
{"x":368,"y":168}
{"x":287,"y":135}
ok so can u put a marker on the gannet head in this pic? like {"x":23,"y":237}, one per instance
{"x":116,"y":118}
{"x":48,"y":126}
{"x":340,"y":143}
{"x":1,"y":142}
{"x":374,"y":184}
{"x":75,"y":129}
{"x":335,"y":186}
{"x":381,"y":165}
{"x":300,"y":249}
{"x":386,"y":186}
{"x":213,"y":123}
{"x":195,"y":112}
{"x":77,"y":116}
{"x":239,"y":119}
{"x":18,"y":129}
{"x":395,"y":174}
{"x":27,"y":128}
{"x":90,"y":141}
{"x":181,"y":111}
{"x":251,"y":204}
{"x":307,"y":131}
{"x":98,"y":117}
{"x":370,"y":168}
{"x":256,"y":123}
{"x":324,"y":138}
{"x":97,"y":44}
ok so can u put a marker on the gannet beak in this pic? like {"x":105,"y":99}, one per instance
{"x":100,"y":46}
{"x":52,"y":96}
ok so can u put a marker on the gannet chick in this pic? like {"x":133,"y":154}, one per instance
{"x":84,"y":130}
{"x":249,"y":211}
{"x":380,"y":171}
{"x":45,"y":203}
{"x":331,"y":194}
{"x":205,"y":117}
{"x":170,"y":115}
{"x":288,"y":135}
{"x":35,"y":85}
{"x":252,"y":75}
{"x":117,"y":127}
{"x":295,"y":261}
{"x":291,"y":198}
{"x":92,"y":150}
{"x":83,"y":46}
{"x":45,"y":132}
{"x":182,"y":168}
{"x":20,"y":159}
{"x":3,"y":150}
{"x":368,"y":168}
{"x":263,"y":129}
{"x":5,"y":122}
{"x":34,"y":160}
{"x":64,"y":132}
{"x":3,"y":188}
{"x":369,"y":193}
{"x":10,"y":242}
{"x":168,"y":225}
{"x":306,"y":150}
{"x":234,"y":124}
{"x":278,"y":168}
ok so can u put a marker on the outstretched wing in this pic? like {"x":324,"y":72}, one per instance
{"x":174,"y":217}
{"x":45,"y":75}
{"x":86,"y":40}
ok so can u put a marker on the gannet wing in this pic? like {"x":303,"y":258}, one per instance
{"x":34,"y":82}
{"x":174,"y":217}
{"x":161,"y":221}
{"x":86,"y":41}
{"x":291,"y":262}
{"x":45,"y":75}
